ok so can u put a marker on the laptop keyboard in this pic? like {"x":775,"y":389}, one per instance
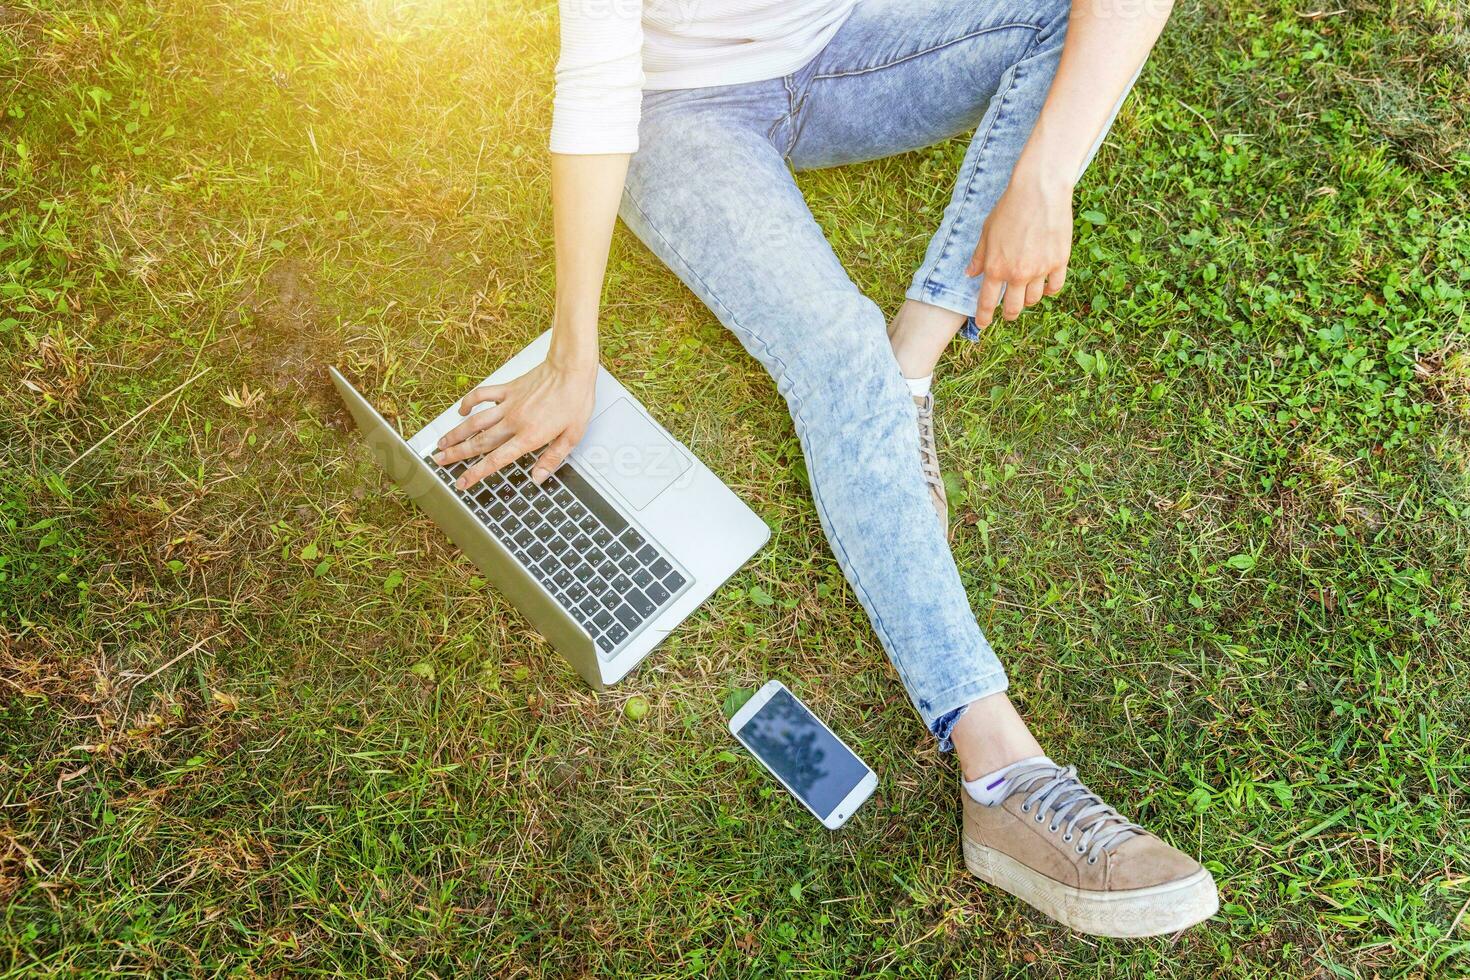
{"x":602,"y":570}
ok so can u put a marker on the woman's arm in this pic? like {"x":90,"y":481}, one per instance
{"x":594,"y":131}
{"x":585,"y":191}
{"x":1027,"y":240}
{"x":550,"y":404}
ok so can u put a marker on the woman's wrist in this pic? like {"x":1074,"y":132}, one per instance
{"x":1050,"y":161}
{"x":573,"y":346}
{"x":1038,"y":172}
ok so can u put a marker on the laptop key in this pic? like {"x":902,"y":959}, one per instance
{"x":605,"y":642}
{"x":621,"y":585}
{"x":536,"y":551}
{"x":642,"y":578}
{"x":641,"y":603}
{"x":601,"y":536}
{"x":602,"y":619}
{"x":596,"y":586}
{"x":657,"y":593}
{"x":632,"y":540}
{"x":607,"y":570}
{"x":588,"y":524}
{"x":610,"y":599}
{"x":674,"y":581}
{"x":615,"y":551}
{"x":660,"y":569}
{"x":616,"y":634}
{"x":627,"y":615}
{"x":524,"y":537}
{"x":575,"y":592}
{"x":647,"y":553}
{"x":496,"y":511}
{"x":581,"y":543}
{"x":588,"y":608}
{"x":629,"y":563}
{"x":563,"y":578}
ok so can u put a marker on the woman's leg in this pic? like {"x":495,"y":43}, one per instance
{"x":710,"y":193}
{"x":903,"y":74}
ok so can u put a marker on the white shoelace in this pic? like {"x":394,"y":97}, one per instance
{"x":928,"y":457}
{"x":1094,"y":825}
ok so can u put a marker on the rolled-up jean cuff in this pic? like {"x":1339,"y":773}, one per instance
{"x":948,"y":299}
{"x":957,"y":699}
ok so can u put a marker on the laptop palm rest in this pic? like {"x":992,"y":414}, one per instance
{"x":631,"y":455}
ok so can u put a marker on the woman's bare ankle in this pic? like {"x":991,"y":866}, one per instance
{"x":991,"y":735}
{"x":919,"y":333}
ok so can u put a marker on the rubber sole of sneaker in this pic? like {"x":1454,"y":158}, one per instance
{"x":1155,"y":911}
{"x":942,"y":509}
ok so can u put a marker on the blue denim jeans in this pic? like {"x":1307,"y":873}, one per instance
{"x":711,"y":193}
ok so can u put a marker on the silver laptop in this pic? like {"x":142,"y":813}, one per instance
{"x":606,"y":557}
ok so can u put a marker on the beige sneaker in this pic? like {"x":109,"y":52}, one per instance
{"x":929,"y":459}
{"x":1055,"y":845}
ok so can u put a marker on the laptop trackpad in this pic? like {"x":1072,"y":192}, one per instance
{"x":631,"y":454}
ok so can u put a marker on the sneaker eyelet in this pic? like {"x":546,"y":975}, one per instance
{"x":1081,"y":849}
{"x":1092,"y":860}
{"x":1067,"y":838}
{"x":1038,"y":816}
{"x":1025,"y":807}
{"x":1054,"y":828}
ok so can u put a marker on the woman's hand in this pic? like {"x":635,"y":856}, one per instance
{"x":548,"y":406}
{"x":1024,"y":246}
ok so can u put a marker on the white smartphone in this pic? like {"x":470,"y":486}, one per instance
{"x":815,"y":765}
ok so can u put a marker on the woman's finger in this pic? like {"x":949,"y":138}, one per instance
{"x":476,"y":445}
{"x":482,"y":394}
{"x":553,"y":457}
{"x":1015,"y":300}
{"x":1056,"y":279}
{"x":1034,"y":291}
{"x":977,"y":261}
{"x":991,"y":291}
{"x":508,"y":451}
{"x":477,"y":422}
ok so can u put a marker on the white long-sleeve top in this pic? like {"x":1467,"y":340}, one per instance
{"x":611,"y":50}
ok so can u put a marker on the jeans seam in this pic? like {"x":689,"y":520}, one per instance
{"x":929,"y":50}
{"x":793,"y":108}
{"x":930,"y":292}
{"x":967,"y":686}
{"x":796,"y":413}
{"x":1014,"y":72}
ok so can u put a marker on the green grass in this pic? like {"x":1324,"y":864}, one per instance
{"x":257,"y":717}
